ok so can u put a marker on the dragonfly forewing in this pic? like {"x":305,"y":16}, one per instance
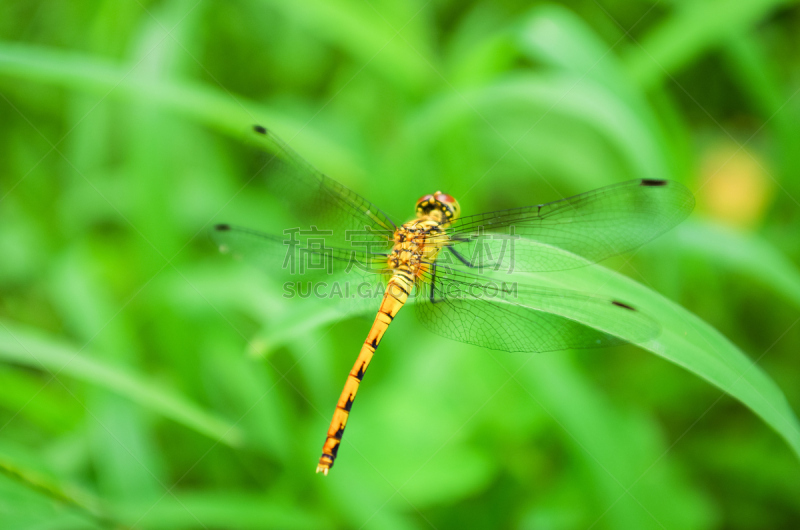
{"x":310,"y":198}
{"x":572,"y":232}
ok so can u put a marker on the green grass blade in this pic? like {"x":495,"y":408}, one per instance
{"x":557,"y":37}
{"x":618,"y":445}
{"x":368,"y":32}
{"x":564,"y":95}
{"x":694,"y":345}
{"x":692,"y":30}
{"x":744,"y":254}
{"x":36,"y":350}
{"x":685,"y":340}
{"x":223,"y":509}
{"x":47,"y":487}
{"x":231,"y":115}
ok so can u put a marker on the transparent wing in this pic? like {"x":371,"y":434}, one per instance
{"x":572,"y":232}
{"x":516,"y":317}
{"x":312,"y":199}
{"x":352,"y":278}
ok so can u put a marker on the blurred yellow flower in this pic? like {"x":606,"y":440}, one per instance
{"x":735,"y":187}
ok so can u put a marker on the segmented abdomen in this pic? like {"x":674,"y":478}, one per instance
{"x":397,"y":291}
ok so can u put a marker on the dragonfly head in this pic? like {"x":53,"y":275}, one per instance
{"x":438,"y":206}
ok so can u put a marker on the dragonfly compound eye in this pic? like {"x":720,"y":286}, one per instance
{"x":425,"y":202}
{"x":439,"y":201}
{"x":450,"y":206}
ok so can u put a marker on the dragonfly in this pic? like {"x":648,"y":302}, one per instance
{"x":445,"y":264}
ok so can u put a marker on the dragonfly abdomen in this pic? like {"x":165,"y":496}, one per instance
{"x":397,"y":290}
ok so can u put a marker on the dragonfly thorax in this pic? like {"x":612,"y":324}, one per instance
{"x":415,"y":243}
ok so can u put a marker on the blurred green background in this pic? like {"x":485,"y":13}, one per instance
{"x":148,"y":382}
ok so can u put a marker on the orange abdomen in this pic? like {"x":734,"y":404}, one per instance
{"x":397,"y":291}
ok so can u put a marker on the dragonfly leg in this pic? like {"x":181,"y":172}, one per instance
{"x":433,"y":285}
{"x":461,"y":258}
{"x":433,"y":281}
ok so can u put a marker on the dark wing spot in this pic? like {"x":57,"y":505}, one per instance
{"x":260,"y":129}
{"x":222,"y":227}
{"x":653,"y":182}
{"x":620,"y":304}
